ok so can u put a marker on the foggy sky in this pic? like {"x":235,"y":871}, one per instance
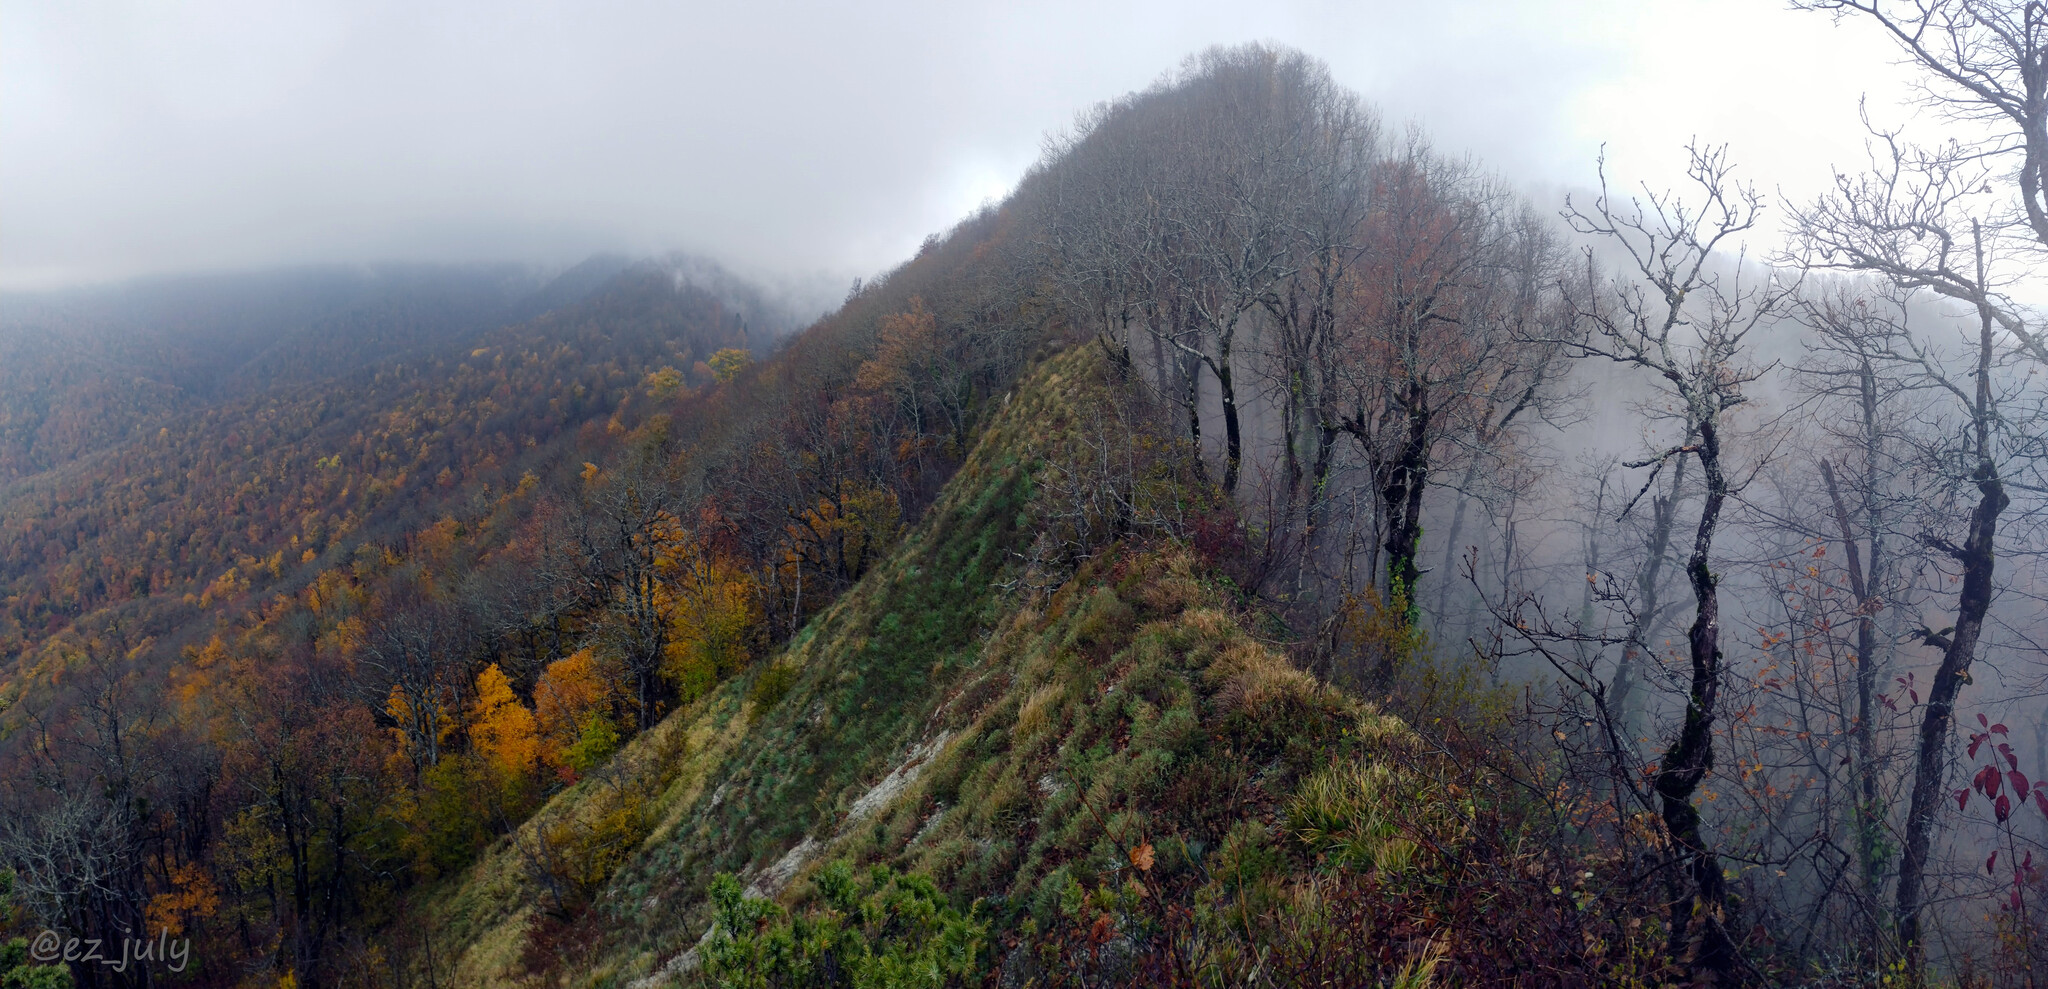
{"x":789,"y":139}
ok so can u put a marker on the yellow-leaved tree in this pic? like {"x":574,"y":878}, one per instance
{"x":728,"y":363}
{"x":419,"y":728}
{"x":847,"y":533}
{"x":502,"y":730}
{"x":715,"y":617}
{"x":664,"y":384}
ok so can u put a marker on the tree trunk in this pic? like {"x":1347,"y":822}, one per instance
{"x":1868,"y":822}
{"x":1191,"y":385}
{"x":1699,"y":921}
{"x":1443,"y":594}
{"x":1115,"y":340}
{"x":1978,"y":562}
{"x":1663,"y":520}
{"x":1233,"y":440}
{"x":1290,"y":438}
{"x":1319,"y":478}
{"x":1401,"y":500}
{"x":1978,"y":558}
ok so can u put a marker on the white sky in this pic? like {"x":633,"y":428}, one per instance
{"x":791,"y":139}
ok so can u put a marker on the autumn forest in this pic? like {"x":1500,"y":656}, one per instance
{"x":1264,"y":549}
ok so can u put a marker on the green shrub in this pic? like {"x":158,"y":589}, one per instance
{"x":600,"y":740}
{"x":16,"y":972}
{"x":772,"y":686}
{"x":881,"y":929}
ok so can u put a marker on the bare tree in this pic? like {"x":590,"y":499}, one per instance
{"x":1852,"y":360}
{"x":1674,"y":315}
{"x":1647,"y":611}
{"x":1092,"y":222}
{"x":413,"y":659}
{"x":1985,"y":66}
{"x":1176,"y":211}
{"x":1243,"y":150}
{"x":1301,"y":366}
{"x":74,"y":819}
{"x":1910,"y":221}
{"x":1529,"y":387}
{"x":1445,"y":337}
{"x":607,"y":547}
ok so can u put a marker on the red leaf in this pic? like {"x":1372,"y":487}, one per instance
{"x":1991,"y":864}
{"x":1963,"y":800}
{"x":1998,"y":729}
{"x":1981,"y":720}
{"x":1915,"y":695}
{"x":2003,"y":808}
{"x":1977,"y":742}
{"x":1989,"y":780}
{"x":2041,"y":800}
{"x":2019,"y":783}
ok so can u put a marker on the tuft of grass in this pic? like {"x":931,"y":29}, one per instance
{"x":1353,"y":814}
{"x":1036,"y":714}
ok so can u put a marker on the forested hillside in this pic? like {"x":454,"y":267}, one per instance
{"x":228,"y":476}
{"x":88,"y":369}
{"x":330,"y":578}
{"x":1263,"y":550}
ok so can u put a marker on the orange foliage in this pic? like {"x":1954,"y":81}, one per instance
{"x":192,"y":896}
{"x":908,"y":342}
{"x":502,"y":729}
{"x":571,"y":690}
{"x":850,"y":531}
{"x":427,"y":727}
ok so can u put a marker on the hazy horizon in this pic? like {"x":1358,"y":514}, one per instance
{"x":218,"y":138}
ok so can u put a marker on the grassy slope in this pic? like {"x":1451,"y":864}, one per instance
{"x":1045,"y":736}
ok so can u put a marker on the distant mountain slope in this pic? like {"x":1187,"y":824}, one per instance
{"x":87,"y":369}
{"x":360,"y":420}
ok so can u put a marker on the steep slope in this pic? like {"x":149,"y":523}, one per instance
{"x":724,"y":786}
{"x":952,"y":717}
